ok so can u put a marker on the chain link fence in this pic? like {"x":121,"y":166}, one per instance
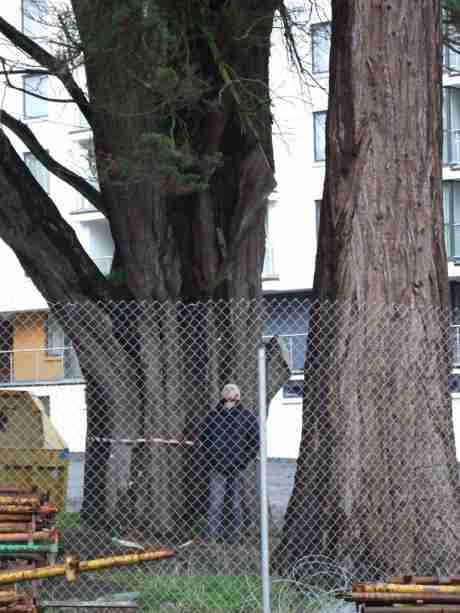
{"x":119,"y":414}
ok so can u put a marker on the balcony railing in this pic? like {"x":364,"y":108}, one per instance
{"x":60,"y":364}
{"x":44,"y":365}
{"x":296,"y":346}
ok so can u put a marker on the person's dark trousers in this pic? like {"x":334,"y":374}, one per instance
{"x":222,"y":487}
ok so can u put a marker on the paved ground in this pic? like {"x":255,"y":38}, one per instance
{"x":280,"y":475}
{"x":280,"y":483}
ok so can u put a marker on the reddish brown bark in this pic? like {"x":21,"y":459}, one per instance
{"x":376,"y":488}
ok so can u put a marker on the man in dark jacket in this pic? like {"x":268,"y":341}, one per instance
{"x":228,"y":441}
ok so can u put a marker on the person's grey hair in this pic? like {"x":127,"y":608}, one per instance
{"x":231,"y":392}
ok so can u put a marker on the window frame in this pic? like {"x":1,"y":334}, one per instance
{"x":24,"y":18}
{"x":316,"y":115}
{"x":27,"y":93}
{"x":83,"y":144}
{"x":314,"y":28}
{"x":451,"y":224}
{"x":54,"y":350}
{"x":448,"y":53}
{"x":271,"y":274}
{"x":293,"y":382}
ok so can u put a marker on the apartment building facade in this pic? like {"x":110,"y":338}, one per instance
{"x":34,"y":352}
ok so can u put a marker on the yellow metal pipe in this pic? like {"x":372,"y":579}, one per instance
{"x":73,"y":566}
{"x":17,"y":508}
{"x":125,"y":560}
{"x":16,"y":576}
{"x":398,"y":588}
{"x":33,"y":501}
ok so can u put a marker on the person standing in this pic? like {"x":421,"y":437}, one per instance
{"x":228,"y":442}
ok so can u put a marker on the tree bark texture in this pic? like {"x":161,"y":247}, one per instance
{"x":151,"y":370}
{"x":376,"y":488}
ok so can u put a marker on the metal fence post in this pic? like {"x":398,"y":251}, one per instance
{"x":264,"y":550}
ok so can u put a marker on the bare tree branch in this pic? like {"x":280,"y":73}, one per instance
{"x":55,"y":66}
{"x":45,"y":244}
{"x":23,"y":132}
{"x":291,"y":45}
{"x":26,"y":71}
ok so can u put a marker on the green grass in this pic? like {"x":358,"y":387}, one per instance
{"x":66,"y":521}
{"x":201,"y":593}
{"x":207,"y":593}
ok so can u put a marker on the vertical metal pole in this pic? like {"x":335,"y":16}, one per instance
{"x":264,"y":551}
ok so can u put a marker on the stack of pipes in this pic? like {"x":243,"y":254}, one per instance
{"x":27,"y":526}
{"x":28,"y":547}
{"x":28,"y":539}
{"x":12,"y":602}
{"x":408,"y":594}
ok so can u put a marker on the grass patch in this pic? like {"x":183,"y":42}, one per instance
{"x":201,"y":593}
{"x":66,"y":520}
{"x":207,"y":593}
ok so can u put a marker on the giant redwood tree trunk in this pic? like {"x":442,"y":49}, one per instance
{"x":376,"y":487}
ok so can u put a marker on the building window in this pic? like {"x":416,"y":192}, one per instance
{"x":293,"y":389}
{"x":86,"y":167}
{"x":319,"y":128}
{"x":33,"y":14}
{"x":269,"y":259}
{"x":321,"y":45}
{"x":88,"y":161}
{"x":58,"y":345}
{"x":451,"y":126}
{"x":451,"y":200}
{"x":451,"y":59}
{"x":35,"y":107}
{"x":37,"y":169}
{"x":55,"y":337}
{"x":317,"y":215}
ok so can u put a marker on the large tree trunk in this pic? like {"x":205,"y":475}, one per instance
{"x":174,"y":242}
{"x":151,"y":369}
{"x":376,"y":487}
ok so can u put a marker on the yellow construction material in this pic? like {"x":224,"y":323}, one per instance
{"x":407,"y":588}
{"x":32,"y":453}
{"x":73,"y":566}
{"x":43,"y":468}
{"x":33,"y":501}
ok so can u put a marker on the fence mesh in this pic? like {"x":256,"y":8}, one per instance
{"x":115,"y":412}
